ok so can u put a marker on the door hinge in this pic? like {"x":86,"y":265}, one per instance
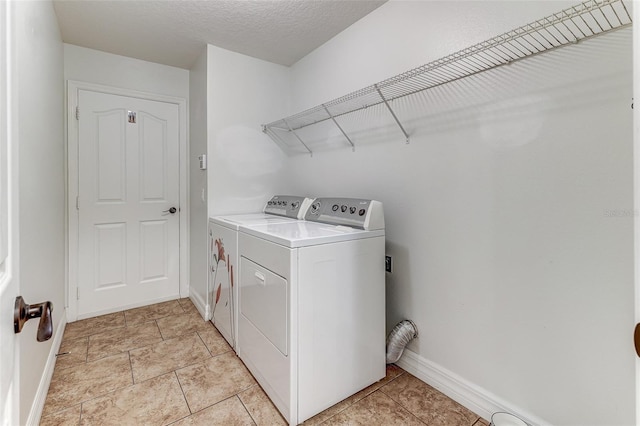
{"x":77,"y":202}
{"x":77,"y":113}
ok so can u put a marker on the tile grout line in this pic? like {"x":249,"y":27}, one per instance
{"x":80,"y":365}
{"x":408,"y":411}
{"x":159,"y":330}
{"x":216,"y":403}
{"x":245,"y":407}
{"x":91,"y":334}
{"x":133,"y":380}
{"x":355,"y":402}
{"x":205,"y":345}
{"x":179,"y":368}
{"x":121,"y":352}
{"x":411,"y":412}
{"x":86,"y":355}
{"x":184,"y":395}
{"x":396,"y":401}
{"x":80,"y":415}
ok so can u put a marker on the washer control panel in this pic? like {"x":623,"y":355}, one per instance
{"x":353,"y":212}
{"x":288,"y":206}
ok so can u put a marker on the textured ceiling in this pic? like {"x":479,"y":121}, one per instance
{"x":174,"y":32}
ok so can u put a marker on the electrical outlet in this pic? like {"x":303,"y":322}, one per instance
{"x":387,"y":264}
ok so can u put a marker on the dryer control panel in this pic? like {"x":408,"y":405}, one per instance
{"x":288,"y":206}
{"x":353,"y":212}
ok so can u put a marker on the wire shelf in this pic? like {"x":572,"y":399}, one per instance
{"x":569,"y":26}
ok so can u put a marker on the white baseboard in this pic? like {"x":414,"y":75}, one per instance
{"x":460,"y":390}
{"x":43,"y":387}
{"x":201,"y":305}
{"x":124,"y":307}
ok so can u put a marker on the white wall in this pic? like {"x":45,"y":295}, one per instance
{"x":245,"y":167}
{"x":198,"y":181}
{"x":42,"y":193}
{"x":93,"y":66}
{"x":502,"y":213}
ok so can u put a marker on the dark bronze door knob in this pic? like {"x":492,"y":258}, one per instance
{"x":23,"y":312}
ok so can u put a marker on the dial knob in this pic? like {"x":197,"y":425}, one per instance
{"x":343,"y":208}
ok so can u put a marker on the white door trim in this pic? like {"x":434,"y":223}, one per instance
{"x":71,"y":249}
{"x":636,"y":196}
{"x":9,"y":215}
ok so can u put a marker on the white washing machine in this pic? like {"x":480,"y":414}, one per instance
{"x":222,"y":293}
{"x":311,"y":319}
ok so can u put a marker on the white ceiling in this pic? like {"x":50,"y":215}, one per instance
{"x":174,"y":32}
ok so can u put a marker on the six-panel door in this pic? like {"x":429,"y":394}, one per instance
{"x":128,"y":238}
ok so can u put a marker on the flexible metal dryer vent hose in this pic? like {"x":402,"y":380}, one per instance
{"x":402,"y":333}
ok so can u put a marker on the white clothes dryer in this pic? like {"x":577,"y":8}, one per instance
{"x":222,"y":293}
{"x":311,"y":319}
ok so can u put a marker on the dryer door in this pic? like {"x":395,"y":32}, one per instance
{"x":264,"y":303}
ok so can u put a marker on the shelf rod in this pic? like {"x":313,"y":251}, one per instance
{"x":353,"y":147}
{"x":297,"y":137}
{"x":406,"y":135}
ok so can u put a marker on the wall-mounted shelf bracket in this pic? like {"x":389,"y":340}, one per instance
{"x":270,"y":131}
{"x":297,"y":137}
{"x":406,"y":135}
{"x":353,"y":147}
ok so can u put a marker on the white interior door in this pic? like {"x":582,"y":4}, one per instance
{"x":9,"y":284}
{"x":636,"y":197}
{"x":128,"y":167}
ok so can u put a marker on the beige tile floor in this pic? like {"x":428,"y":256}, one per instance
{"x":162,"y":364}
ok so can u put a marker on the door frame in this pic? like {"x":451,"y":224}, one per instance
{"x":72,"y":151}
{"x":11,"y":217}
{"x":636,"y":196}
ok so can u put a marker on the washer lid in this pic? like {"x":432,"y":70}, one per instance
{"x":235,"y":221}
{"x":303,"y":234}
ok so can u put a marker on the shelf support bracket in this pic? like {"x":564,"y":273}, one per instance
{"x":297,"y":137}
{"x":274,"y":136}
{"x":353,"y":147}
{"x":406,"y":135}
